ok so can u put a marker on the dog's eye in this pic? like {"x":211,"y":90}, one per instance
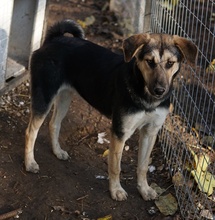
{"x":151,"y":63}
{"x":169,"y":64}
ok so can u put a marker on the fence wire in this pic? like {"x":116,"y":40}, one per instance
{"x":188,"y":136}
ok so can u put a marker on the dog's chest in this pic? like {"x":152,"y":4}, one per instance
{"x":153,"y":120}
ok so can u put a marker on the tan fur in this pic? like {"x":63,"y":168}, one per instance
{"x":148,"y":72}
{"x":131,"y":44}
{"x":147,"y":122}
{"x":114,"y":168}
{"x":132,"y":47}
{"x":188,"y":49}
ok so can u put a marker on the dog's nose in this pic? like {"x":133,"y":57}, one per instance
{"x":159,"y":91}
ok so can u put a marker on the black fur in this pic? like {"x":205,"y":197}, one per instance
{"x":108,"y":83}
{"x":67,"y":26}
{"x":132,"y":89}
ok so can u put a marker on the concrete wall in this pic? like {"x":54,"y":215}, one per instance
{"x":133,"y":15}
{"x":21,"y":29}
{"x":6,"y":8}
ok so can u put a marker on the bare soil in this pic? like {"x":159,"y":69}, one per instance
{"x":78,"y":188}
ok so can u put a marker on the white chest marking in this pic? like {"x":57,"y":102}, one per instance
{"x":154,"y":120}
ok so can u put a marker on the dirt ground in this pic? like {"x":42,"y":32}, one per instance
{"x":78,"y":188}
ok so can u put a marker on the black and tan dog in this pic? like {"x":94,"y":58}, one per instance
{"x":133,"y":90}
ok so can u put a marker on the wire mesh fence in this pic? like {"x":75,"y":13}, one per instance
{"x":188,"y":136}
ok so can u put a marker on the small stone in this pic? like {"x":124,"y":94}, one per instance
{"x":152,"y":210}
{"x":152,"y":168}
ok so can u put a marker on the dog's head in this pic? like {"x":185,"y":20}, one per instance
{"x":158,"y":57}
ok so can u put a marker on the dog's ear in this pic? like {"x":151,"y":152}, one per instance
{"x":187,"y":48}
{"x":132,"y":44}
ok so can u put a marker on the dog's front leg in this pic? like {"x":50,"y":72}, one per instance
{"x":114,"y":168}
{"x":146,"y":144}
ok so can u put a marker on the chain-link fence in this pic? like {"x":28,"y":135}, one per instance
{"x":188,"y":136}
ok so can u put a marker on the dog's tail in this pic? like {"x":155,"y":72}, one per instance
{"x":60,"y":28}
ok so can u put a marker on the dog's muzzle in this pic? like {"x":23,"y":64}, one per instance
{"x":159,"y":91}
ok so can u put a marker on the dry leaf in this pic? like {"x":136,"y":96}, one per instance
{"x":157,"y":188}
{"x":105,"y":154}
{"x":206,"y":214}
{"x":169,"y":4}
{"x":81,"y":23}
{"x":87,"y":22}
{"x":90,"y":20}
{"x":107,"y":217}
{"x":167,"y":204}
{"x":205,"y":181}
{"x":178,"y":179}
{"x":201,"y":161}
{"x":211,"y":67}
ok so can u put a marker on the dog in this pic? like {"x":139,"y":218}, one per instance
{"x":132,"y":89}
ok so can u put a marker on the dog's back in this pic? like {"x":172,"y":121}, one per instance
{"x":65,"y":60}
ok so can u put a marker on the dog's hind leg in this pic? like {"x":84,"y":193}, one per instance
{"x":61,"y":106}
{"x":30,"y":137}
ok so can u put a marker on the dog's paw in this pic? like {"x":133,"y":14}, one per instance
{"x":119,"y":194}
{"x":147,"y":193}
{"x":62,"y":155}
{"x":32,"y":167}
